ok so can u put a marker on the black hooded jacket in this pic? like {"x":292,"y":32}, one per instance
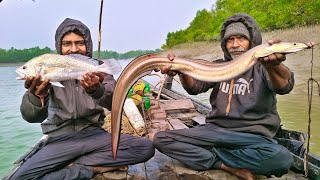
{"x":253,"y":104}
{"x":70,"y":25}
{"x":69,"y":109}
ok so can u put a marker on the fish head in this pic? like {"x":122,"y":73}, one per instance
{"x":28,"y":69}
{"x":287,"y":47}
{"x":34,"y":66}
{"x":281,"y":47}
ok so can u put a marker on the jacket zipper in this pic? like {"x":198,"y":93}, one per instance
{"x":76,"y":92}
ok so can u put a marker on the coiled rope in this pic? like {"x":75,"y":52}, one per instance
{"x":311,"y":80}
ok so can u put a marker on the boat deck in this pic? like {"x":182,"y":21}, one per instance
{"x":175,"y":114}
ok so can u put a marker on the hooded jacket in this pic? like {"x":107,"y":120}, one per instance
{"x":70,"y":109}
{"x":253,"y":107}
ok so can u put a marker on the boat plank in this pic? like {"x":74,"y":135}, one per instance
{"x":112,"y":175}
{"x":137,"y":172}
{"x":177,"y":124}
{"x":176,"y":104}
{"x":201,"y":119}
{"x":160,"y":167}
{"x":183,"y":115}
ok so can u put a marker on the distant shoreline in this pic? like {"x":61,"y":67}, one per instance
{"x":3,"y":64}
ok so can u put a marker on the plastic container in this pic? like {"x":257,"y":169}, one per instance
{"x":138,"y":88}
{"x":147,"y":103}
{"x":147,"y":88}
{"x":136,"y":99}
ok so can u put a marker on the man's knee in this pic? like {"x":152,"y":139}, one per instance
{"x":285,"y":160}
{"x":280,"y":163}
{"x":145,"y":149}
{"x":159,"y":140}
{"x":19,"y":174}
{"x":150,"y":150}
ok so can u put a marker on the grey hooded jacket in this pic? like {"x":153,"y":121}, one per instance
{"x":69,"y":109}
{"x":253,"y":107}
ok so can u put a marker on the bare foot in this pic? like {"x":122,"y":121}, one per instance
{"x":101,"y":169}
{"x":150,"y":136}
{"x":242,"y":173}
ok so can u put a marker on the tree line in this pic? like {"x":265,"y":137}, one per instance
{"x":131,"y":54}
{"x":270,"y":15}
{"x":14,"y":55}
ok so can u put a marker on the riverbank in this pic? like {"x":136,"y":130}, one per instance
{"x":211,"y":50}
{"x":11,"y":64}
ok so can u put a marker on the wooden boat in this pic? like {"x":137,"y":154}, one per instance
{"x":183,"y":112}
{"x":175,"y":111}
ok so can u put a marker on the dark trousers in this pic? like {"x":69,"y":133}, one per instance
{"x":84,"y":149}
{"x":207,"y":146}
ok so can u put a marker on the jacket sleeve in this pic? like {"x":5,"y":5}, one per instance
{"x":103,"y":95}
{"x":288,"y":87}
{"x":285,"y":90}
{"x":32,"y":110}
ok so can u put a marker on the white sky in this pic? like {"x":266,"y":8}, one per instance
{"x":126,"y":24}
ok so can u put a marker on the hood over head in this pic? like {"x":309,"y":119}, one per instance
{"x":70,"y":25}
{"x":249,"y":22}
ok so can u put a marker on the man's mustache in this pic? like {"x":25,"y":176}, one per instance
{"x":239,"y":49}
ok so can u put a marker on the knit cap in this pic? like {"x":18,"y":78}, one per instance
{"x":236,"y":28}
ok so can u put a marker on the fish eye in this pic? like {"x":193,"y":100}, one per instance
{"x":294,"y":43}
{"x":24,"y":67}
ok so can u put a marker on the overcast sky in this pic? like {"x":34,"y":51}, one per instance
{"x":126,"y":24}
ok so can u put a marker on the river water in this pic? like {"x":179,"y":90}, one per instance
{"x":17,"y":136}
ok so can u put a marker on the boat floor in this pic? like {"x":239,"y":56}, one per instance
{"x":175,"y":114}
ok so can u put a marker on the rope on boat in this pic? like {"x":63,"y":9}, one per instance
{"x":311,"y":80}
{"x":161,"y":86}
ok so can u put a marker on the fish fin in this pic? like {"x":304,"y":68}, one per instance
{"x":110,"y":66}
{"x":83,"y":58}
{"x":57,"y":84}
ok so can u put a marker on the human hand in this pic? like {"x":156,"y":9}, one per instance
{"x":91,"y":81}
{"x":166,"y":69}
{"x":311,"y":44}
{"x":36,"y":86}
{"x":273,"y":59}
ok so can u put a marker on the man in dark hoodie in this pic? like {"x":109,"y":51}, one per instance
{"x":77,"y":147}
{"x":238,"y":134}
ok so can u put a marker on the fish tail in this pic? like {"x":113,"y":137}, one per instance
{"x":110,"y":67}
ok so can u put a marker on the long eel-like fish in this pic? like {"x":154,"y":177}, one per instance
{"x":198,"y":69}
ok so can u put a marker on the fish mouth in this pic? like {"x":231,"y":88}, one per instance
{"x":23,"y":76}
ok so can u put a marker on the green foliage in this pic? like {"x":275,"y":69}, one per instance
{"x":270,"y":15}
{"x":13,"y":55}
{"x":131,"y":54}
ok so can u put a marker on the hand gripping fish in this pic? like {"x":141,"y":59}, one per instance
{"x":58,"y":68}
{"x":198,"y":69}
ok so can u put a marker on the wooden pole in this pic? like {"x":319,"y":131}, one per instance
{"x":99,"y":33}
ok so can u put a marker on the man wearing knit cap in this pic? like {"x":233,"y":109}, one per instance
{"x":239,"y":130}
{"x":236,"y":28}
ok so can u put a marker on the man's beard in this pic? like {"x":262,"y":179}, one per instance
{"x":239,"y":49}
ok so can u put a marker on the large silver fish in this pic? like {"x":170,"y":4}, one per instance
{"x":58,"y":68}
{"x":198,"y":69}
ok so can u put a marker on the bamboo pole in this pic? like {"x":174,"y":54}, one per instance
{"x":99,"y":33}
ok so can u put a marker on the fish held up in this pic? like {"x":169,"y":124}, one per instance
{"x":198,"y":69}
{"x":58,"y":68}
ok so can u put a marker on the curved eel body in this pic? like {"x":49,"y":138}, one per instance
{"x":198,"y":69}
